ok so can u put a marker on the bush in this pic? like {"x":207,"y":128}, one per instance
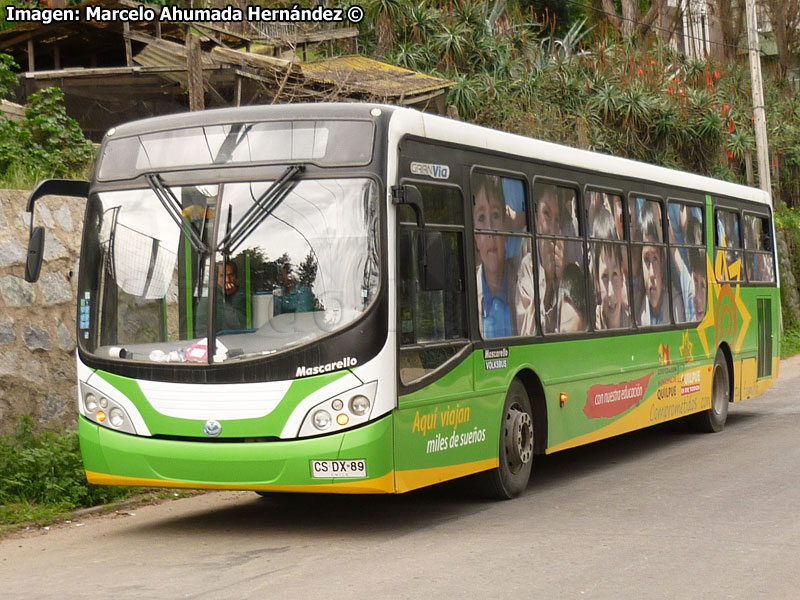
{"x":7,"y":77}
{"x":45,"y":468}
{"x":46,"y":143}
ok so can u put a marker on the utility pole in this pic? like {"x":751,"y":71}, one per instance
{"x":762,"y":149}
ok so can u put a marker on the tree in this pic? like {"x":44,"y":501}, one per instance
{"x":732,"y":21}
{"x":630,"y":20}
{"x":784,"y":18}
{"x":384,"y":14}
{"x":307,"y":271}
{"x":556,"y":14}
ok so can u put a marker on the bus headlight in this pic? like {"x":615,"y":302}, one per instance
{"x":321,"y":419}
{"x":116,"y":417}
{"x":90,"y":402}
{"x":351,"y":408}
{"x":359,"y":405}
{"x":103,"y":410}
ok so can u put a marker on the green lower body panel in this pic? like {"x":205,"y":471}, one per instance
{"x":114,"y":458}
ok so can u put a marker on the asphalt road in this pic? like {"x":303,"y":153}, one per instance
{"x":662,"y":513}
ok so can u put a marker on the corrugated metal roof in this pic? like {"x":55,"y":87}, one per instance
{"x":359,"y":74}
{"x":163,"y":53}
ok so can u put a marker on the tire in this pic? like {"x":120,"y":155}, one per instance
{"x":713,"y":419}
{"x":511,"y":476}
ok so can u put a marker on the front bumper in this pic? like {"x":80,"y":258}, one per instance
{"x":113,"y":458}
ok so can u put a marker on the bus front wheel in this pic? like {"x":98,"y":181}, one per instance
{"x":713,"y":419}
{"x":510,"y":478}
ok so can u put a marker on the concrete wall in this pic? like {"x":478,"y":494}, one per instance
{"x":37,"y":321}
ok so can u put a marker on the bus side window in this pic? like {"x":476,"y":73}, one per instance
{"x":560,"y":258}
{"x":503,"y":261}
{"x":608,"y":260}
{"x":432,"y":322}
{"x":758,"y":249}
{"x":728,"y":246}
{"x":650,"y":284}
{"x":687,"y":261}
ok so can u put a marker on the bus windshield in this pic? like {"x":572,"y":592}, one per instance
{"x":269,"y":266}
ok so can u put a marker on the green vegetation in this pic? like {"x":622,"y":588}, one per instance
{"x":790,"y":343}
{"x":42,"y":477}
{"x":46,"y":143}
{"x":7,"y":78}
{"x":788,"y":221}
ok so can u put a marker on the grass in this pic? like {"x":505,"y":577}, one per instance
{"x":42,"y":480}
{"x":25,"y":177}
{"x":42,"y":477}
{"x":790,"y":343}
{"x":20,"y":177}
{"x":15,"y":516}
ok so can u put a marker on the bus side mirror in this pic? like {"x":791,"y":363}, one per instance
{"x":431,"y":261}
{"x":409,"y":194}
{"x":33,"y":262}
{"x":55,"y":187}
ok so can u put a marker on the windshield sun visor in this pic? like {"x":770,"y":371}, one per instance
{"x":325,"y":143}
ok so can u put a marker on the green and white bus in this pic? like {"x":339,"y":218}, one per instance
{"x":359,"y":298}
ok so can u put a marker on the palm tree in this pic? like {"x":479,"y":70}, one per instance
{"x":451,"y":41}
{"x":421,"y":21}
{"x":384,"y":13}
{"x":464,"y":95}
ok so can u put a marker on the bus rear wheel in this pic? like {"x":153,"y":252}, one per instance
{"x":713,"y":419}
{"x":511,"y":476}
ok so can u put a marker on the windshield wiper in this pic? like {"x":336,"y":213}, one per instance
{"x":262,"y":207}
{"x":172,"y":206}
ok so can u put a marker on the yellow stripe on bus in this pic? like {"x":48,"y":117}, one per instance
{"x":404,"y":480}
{"x":379,"y":485}
{"x":417,"y":478}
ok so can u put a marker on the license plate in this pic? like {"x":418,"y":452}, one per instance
{"x":354,"y":467}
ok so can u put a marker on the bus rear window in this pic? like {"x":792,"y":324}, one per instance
{"x":328,"y":143}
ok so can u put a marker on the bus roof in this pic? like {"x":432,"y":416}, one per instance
{"x":246,"y":114}
{"x":447,"y":130}
{"x":408,"y":121}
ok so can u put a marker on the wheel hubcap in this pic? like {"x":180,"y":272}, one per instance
{"x":519,"y":438}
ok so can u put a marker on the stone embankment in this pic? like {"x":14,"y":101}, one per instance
{"x":37,"y":321}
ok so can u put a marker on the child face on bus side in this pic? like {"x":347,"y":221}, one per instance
{"x":490,"y":213}
{"x":611,"y":283}
{"x":547,"y":217}
{"x":700,"y":294}
{"x":653,"y":275}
